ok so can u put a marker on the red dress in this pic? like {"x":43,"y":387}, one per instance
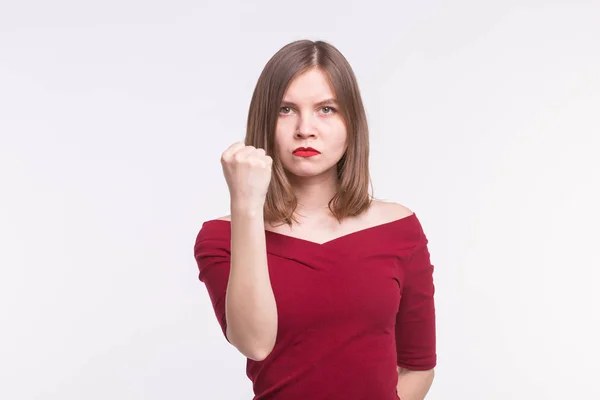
{"x":349,"y":310}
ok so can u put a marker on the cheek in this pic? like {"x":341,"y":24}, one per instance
{"x":339,"y":133}
{"x":286,"y":123}
{"x":283,"y":128}
{"x":279,"y":131}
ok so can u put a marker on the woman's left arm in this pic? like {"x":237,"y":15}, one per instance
{"x":415,"y":321}
{"x":413,"y":385}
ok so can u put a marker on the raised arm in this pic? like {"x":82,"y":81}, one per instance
{"x":250,"y":307}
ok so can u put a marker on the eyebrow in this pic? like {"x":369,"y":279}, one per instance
{"x":320,"y":103}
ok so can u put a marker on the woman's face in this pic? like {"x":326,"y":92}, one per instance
{"x":309,"y":118}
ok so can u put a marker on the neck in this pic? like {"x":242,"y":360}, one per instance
{"x":313,"y":195}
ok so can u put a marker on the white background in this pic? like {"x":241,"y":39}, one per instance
{"x":485,"y":121}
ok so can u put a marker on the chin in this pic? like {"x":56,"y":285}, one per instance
{"x":307,"y":171}
{"x":304,"y":174}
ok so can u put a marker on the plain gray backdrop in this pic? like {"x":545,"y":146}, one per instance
{"x":484,"y":120}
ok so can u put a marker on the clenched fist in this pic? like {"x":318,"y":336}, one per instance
{"x":247,"y":171}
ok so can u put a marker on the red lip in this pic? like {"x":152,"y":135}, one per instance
{"x":306,"y":152}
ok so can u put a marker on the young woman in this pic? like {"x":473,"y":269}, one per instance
{"x":328,"y":292}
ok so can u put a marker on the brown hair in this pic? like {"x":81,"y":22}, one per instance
{"x":353,"y":196}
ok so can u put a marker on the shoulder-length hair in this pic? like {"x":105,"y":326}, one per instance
{"x":353,"y":196}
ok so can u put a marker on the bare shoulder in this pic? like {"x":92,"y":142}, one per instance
{"x":225,"y":218}
{"x":386,"y":211}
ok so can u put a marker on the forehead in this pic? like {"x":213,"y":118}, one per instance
{"x":312,"y":85}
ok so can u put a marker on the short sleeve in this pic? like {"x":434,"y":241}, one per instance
{"x":415,"y":321}
{"x":213,"y":258}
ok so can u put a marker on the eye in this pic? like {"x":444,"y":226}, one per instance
{"x":285,"y":110}
{"x":328,"y":110}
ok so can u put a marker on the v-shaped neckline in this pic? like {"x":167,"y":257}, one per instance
{"x":336,"y":239}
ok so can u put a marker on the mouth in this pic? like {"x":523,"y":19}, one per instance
{"x":306,"y":152}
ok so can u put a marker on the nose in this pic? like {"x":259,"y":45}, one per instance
{"x":306,"y":127}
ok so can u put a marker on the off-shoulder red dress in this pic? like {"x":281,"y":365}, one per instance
{"x":349,"y":310}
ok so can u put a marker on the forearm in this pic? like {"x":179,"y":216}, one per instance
{"x":251,"y":311}
{"x":413,"y":385}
